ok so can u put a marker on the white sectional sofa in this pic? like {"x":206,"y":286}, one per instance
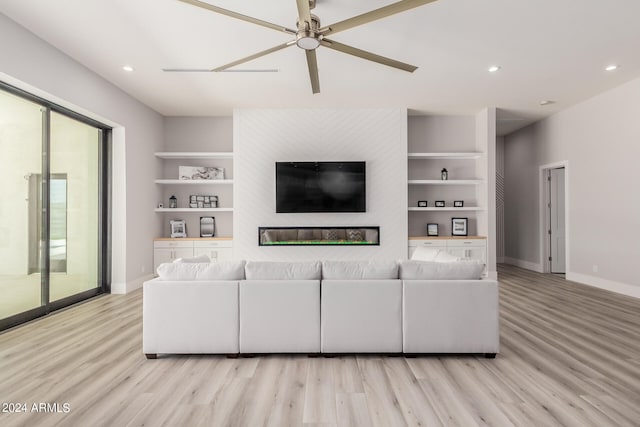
{"x":411,"y":307}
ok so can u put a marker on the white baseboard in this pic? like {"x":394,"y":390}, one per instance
{"x":524,"y":264}
{"x":132,"y":285}
{"x":609,"y":285}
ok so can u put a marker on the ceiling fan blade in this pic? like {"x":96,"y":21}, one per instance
{"x":238,"y":16}
{"x":374,"y":15}
{"x":304,"y":13}
{"x":312,"y":62}
{"x":367,"y":55}
{"x":254,"y":56}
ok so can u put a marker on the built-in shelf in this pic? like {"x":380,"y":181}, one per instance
{"x":195,"y":181}
{"x":201,"y":155}
{"x":448,"y":208}
{"x":444,"y":156}
{"x":445,"y":182}
{"x":194,"y":210}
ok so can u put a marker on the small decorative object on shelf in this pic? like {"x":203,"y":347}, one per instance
{"x":444,"y":175}
{"x":207,"y":226}
{"x":439,"y":203}
{"x":459,"y":226}
{"x":173,"y":202}
{"x":200,"y":172}
{"x":458,"y":203}
{"x":422,"y":203}
{"x":432,"y":229}
{"x":197,"y":201}
{"x":178,"y":228}
{"x":160,"y":205}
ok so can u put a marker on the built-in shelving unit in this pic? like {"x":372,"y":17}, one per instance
{"x":194,"y":181}
{"x":184,"y":188}
{"x":192,"y":155}
{"x":194,"y":209}
{"x":448,"y":209}
{"x":452,"y":143}
{"x":445,"y":156}
{"x":445,"y":182}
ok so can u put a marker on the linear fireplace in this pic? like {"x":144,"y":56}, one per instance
{"x":319,"y":236}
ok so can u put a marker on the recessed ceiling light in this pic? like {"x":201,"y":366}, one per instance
{"x":127,"y":68}
{"x":547,"y":102}
{"x":611,"y":67}
{"x":494,"y":68}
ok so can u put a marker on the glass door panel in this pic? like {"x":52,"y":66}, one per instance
{"x":74,"y":218}
{"x":21,"y":235}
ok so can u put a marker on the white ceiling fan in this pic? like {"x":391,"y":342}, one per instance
{"x":310,"y":35}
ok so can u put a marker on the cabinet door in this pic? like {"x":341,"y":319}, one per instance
{"x":468,"y":249}
{"x":162,"y":255}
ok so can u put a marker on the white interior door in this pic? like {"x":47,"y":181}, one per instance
{"x":557,"y":225}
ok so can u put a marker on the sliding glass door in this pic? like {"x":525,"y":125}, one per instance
{"x":53,"y":219}
{"x":74,"y":207}
{"x":20,"y":205}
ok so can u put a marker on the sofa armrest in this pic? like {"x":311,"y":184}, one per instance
{"x":450,"y":316}
{"x":190,"y":317}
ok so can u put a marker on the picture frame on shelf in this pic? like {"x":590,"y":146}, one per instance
{"x":422,"y":203}
{"x":440,"y":204}
{"x":459,"y":226}
{"x":458,"y":203}
{"x":178,"y":228}
{"x":207,"y":226}
{"x":432,"y":229}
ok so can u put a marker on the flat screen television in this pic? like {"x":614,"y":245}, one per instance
{"x":305,"y":187}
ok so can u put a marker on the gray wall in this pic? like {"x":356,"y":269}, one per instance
{"x":34,"y":65}
{"x":600,"y":139}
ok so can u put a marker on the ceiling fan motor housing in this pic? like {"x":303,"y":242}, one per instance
{"x":308,"y":37}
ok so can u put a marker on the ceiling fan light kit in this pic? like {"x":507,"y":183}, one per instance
{"x":310,"y":35}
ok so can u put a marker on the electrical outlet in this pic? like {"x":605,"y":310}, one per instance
{"x":142,"y":269}
{"x":595,"y":268}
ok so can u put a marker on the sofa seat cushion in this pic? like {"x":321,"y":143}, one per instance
{"x":434,"y":270}
{"x":226,"y":270}
{"x":354,"y":270}
{"x":267,"y":270}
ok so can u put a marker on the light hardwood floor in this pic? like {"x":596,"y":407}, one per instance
{"x":570,"y":355}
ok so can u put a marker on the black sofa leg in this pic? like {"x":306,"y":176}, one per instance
{"x":489,"y":355}
{"x":151,"y":355}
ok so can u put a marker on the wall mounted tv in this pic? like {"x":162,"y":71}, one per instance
{"x":320,"y":187}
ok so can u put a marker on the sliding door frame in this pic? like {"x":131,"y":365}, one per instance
{"x":104,"y":210}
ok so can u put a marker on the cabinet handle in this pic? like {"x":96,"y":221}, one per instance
{"x":467,"y":243}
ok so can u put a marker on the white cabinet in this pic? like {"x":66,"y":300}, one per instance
{"x":474,"y":248}
{"x":168,"y":250}
{"x":468,"y":248}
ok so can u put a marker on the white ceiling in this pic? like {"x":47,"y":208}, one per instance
{"x":548,"y":49}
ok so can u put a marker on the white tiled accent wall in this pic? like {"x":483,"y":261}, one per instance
{"x":264,"y":137}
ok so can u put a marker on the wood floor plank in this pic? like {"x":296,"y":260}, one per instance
{"x":569,"y":357}
{"x":320,"y":396}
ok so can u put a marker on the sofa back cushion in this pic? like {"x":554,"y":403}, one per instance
{"x":196,"y":259}
{"x":354,"y":270}
{"x":433,"y":270}
{"x":224,"y":270}
{"x":267,"y":270}
{"x":424,"y":253}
